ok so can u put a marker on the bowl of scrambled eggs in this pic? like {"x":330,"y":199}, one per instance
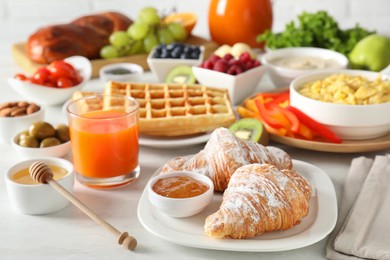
{"x":355,"y":104}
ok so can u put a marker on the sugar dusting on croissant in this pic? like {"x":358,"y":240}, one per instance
{"x":260,"y":198}
{"x":224,"y":153}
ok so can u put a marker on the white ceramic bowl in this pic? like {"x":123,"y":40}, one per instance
{"x":106,"y":72}
{"x":181,"y":208}
{"x":53,"y":96}
{"x":354,"y":122}
{"x":37,"y":199}
{"x":52,"y":151}
{"x":11,"y":125}
{"x":161,"y":67}
{"x":239,"y":86}
{"x":282,"y":76}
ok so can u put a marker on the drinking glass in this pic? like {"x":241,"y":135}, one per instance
{"x":104,"y":135}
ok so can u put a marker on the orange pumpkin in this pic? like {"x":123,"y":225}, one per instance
{"x":232,"y":21}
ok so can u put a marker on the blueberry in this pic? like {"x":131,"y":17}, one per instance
{"x":165,"y":54}
{"x":179,"y":48}
{"x":196,"y":49}
{"x":156,"y":55}
{"x":176,"y":53}
{"x":160,"y":47}
{"x":170,"y":47}
{"x":194,"y":55}
{"x":185,"y":56}
{"x":187,"y":49}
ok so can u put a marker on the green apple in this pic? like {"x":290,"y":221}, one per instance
{"x":371,"y":52}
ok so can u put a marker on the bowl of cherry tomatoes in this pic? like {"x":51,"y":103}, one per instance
{"x":55,"y":83}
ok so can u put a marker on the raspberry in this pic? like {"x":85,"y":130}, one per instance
{"x":234,"y":62}
{"x":257,"y":63}
{"x":239,"y":70}
{"x":220,"y":65}
{"x":213,"y":58}
{"x":228,"y":57}
{"x":234,"y":70}
{"x":249,"y":64}
{"x":245,"y":57}
{"x":207,"y":65}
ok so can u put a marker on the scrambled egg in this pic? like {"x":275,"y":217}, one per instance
{"x":348,"y":89}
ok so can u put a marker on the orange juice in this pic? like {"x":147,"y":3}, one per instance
{"x":104,"y":143}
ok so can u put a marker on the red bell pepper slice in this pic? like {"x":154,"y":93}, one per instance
{"x":315,"y":126}
{"x":267,"y":115}
{"x":281,"y":98}
{"x":305,"y":132}
{"x":244,"y":112}
{"x":291,"y":117}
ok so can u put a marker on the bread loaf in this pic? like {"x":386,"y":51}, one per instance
{"x":84,"y":36}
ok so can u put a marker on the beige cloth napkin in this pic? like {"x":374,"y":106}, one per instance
{"x":363,"y":226}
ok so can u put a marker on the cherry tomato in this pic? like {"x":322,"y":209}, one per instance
{"x":41,"y":76}
{"x":20,"y":76}
{"x":64,"y":82}
{"x":52,"y":84}
{"x":77,"y":79}
{"x":61,"y":68}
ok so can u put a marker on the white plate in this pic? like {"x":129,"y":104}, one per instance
{"x":189,"y":231}
{"x":173,"y":142}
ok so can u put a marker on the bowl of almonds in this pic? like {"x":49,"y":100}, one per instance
{"x":16,"y":116}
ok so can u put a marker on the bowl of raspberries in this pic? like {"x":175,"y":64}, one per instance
{"x":240,"y":75}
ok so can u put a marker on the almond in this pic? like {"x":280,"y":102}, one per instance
{"x":32,"y":108}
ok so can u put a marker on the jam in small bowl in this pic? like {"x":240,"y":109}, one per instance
{"x":180,"y":194}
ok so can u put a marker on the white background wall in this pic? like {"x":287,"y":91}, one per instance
{"x":19,"y":18}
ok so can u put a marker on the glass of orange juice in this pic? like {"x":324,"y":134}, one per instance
{"x":104,"y":134}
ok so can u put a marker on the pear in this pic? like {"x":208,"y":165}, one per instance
{"x":371,"y":52}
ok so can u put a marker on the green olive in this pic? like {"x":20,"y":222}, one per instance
{"x":42,"y":130}
{"x":29,"y":141}
{"x":50,"y":141}
{"x":62,"y":133}
{"x":23,"y":135}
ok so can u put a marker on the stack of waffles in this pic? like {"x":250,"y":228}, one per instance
{"x":175,"y":109}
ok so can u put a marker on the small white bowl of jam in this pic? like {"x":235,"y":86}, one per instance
{"x":32,"y":198}
{"x":180,"y":194}
{"x":121,"y":72}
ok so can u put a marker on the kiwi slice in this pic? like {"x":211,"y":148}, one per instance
{"x":250,"y":129}
{"x":181,"y":75}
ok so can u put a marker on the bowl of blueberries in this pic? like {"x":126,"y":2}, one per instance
{"x":172,"y":63}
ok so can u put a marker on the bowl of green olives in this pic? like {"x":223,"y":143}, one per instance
{"x":42,"y":139}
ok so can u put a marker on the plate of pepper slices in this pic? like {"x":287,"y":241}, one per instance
{"x":290,"y":126}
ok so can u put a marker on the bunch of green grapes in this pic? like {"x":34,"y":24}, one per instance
{"x":145,"y":33}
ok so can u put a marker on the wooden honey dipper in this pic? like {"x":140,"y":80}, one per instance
{"x":42,"y":173}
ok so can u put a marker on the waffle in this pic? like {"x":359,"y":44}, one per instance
{"x":89,"y":104}
{"x":175,"y":109}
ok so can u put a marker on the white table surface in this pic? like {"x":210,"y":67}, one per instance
{"x":69,"y":234}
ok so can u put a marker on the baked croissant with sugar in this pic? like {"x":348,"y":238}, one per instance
{"x":260,"y":198}
{"x":223,"y":154}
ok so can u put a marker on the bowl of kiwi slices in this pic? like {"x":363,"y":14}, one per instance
{"x":42,"y":139}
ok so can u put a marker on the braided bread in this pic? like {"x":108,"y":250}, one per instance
{"x":84,"y":36}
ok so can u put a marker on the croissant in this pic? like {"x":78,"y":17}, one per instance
{"x":223,"y":154}
{"x":260,"y":198}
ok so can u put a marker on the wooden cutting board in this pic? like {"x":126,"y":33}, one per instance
{"x":19,"y":54}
